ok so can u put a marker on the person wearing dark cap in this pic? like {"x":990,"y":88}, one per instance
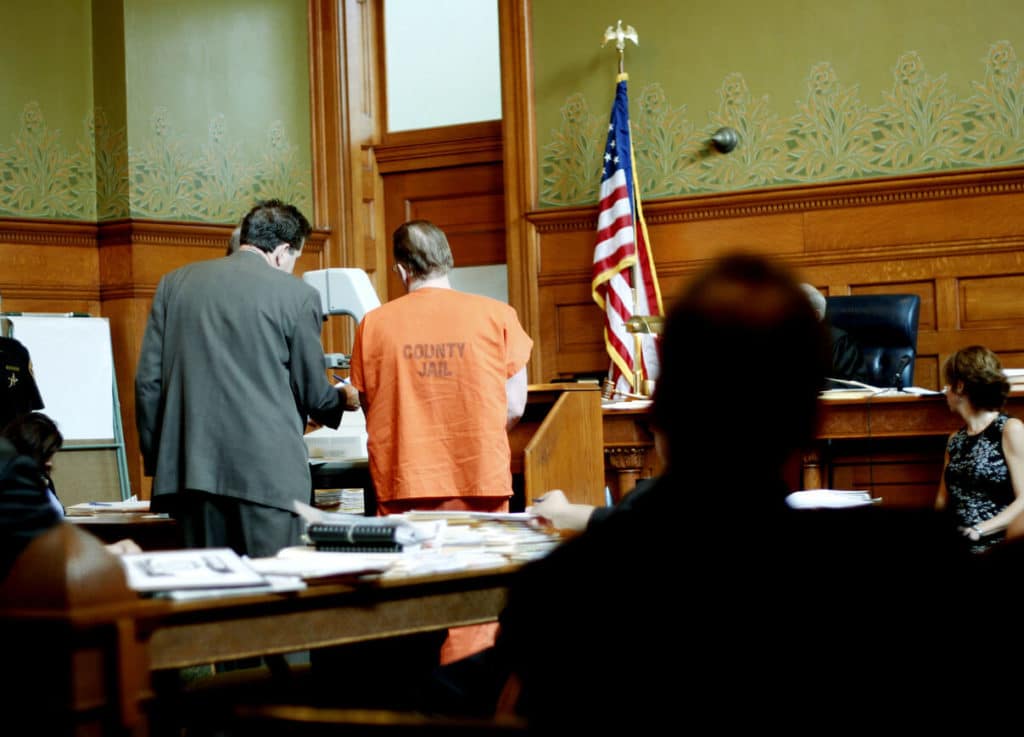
{"x":18,"y":390}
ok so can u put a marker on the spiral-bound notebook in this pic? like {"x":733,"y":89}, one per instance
{"x":355,"y":538}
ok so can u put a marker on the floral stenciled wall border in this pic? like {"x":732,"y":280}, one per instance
{"x":920,"y":126}
{"x":101,"y":177}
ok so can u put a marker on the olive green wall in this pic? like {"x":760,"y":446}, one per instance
{"x":183,"y":110}
{"x":218,"y":106}
{"x":46,"y":104}
{"x":110,"y":119}
{"x":818,"y":90}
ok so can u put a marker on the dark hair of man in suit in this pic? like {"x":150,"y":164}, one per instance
{"x":743,"y":334}
{"x":271,"y":223}
{"x":423,"y":249}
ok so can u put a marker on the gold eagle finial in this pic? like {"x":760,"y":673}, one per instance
{"x":618,"y":34}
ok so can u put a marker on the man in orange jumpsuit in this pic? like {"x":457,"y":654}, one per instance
{"x":442,"y":377}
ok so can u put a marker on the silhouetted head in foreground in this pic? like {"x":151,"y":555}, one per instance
{"x":743,"y":359}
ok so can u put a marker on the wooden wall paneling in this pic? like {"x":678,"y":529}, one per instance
{"x":992,"y":301}
{"x":328,"y":108}
{"x":520,"y":152}
{"x":474,"y":224}
{"x":48,"y":266}
{"x":345,"y":120}
{"x":1012,"y":359}
{"x":440,"y":148}
{"x":462,"y":198}
{"x":909,"y":223}
{"x":689,"y":240}
{"x":570,"y":330}
{"x":364,"y":71}
{"x":906,"y":475}
{"x":954,"y":238}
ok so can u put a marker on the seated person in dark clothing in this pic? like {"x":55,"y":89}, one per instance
{"x":706,"y":599}
{"x":25,"y":509}
{"x":847,"y":363}
{"x":35,"y":435}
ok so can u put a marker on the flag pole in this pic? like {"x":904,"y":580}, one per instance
{"x":619,"y":35}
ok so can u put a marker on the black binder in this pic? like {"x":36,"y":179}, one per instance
{"x":354,"y":538}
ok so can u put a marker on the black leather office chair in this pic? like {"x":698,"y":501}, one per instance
{"x":885,"y":328}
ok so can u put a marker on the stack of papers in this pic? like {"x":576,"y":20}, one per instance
{"x":319,"y":567}
{"x":273,"y":585}
{"x":628,"y":404}
{"x":1015,"y":376}
{"x":830,"y":499}
{"x":208,"y":568}
{"x":346,"y":501}
{"x":515,"y":535}
{"x":87,"y":509}
{"x":860,"y":392}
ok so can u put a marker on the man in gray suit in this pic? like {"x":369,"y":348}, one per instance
{"x":230,"y":371}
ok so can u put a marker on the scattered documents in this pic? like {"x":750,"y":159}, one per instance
{"x":273,"y":585}
{"x":347,"y":501}
{"x":1015,"y":376}
{"x":857,"y":390}
{"x":628,"y":404}
{"x":320,"y":567}
{"x":87,"y":509}
{"x":346,"y":443}
{"x":167,"y":570}
{"x":515,"y":535}
{"x":455,"y":517}
{"x":849,"y":393}
{"x":830,"y":499}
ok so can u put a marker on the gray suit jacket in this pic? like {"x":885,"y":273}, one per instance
{"x":231,"y":365}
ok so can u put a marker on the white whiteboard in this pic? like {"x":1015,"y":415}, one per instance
{"x":74,"y":369}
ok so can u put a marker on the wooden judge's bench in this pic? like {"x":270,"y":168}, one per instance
{"x":892,"y":445}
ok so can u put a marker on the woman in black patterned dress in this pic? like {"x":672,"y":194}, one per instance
{"x":983,"y":479}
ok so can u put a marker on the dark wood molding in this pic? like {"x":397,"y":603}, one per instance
{"x":50,"y":293}
{"x":954,"y":238}
{"x":344,"y":65}
{"x":328,"y":135}
{"x":431,"y":148}
{"x":48,"y":232}
{"x":162,"y":232}
{"x":800,"y":198}
{"x":444,"y":133}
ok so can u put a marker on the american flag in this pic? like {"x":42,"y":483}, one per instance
{"x":622,"y":243}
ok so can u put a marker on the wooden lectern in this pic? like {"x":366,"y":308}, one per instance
{"x":558,"y":444}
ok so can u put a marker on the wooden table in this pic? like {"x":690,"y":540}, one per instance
{"x":87,"y":649}
{"x":179,"y":634}
{"x":892,"y":445}
{"x":149,"y":531}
